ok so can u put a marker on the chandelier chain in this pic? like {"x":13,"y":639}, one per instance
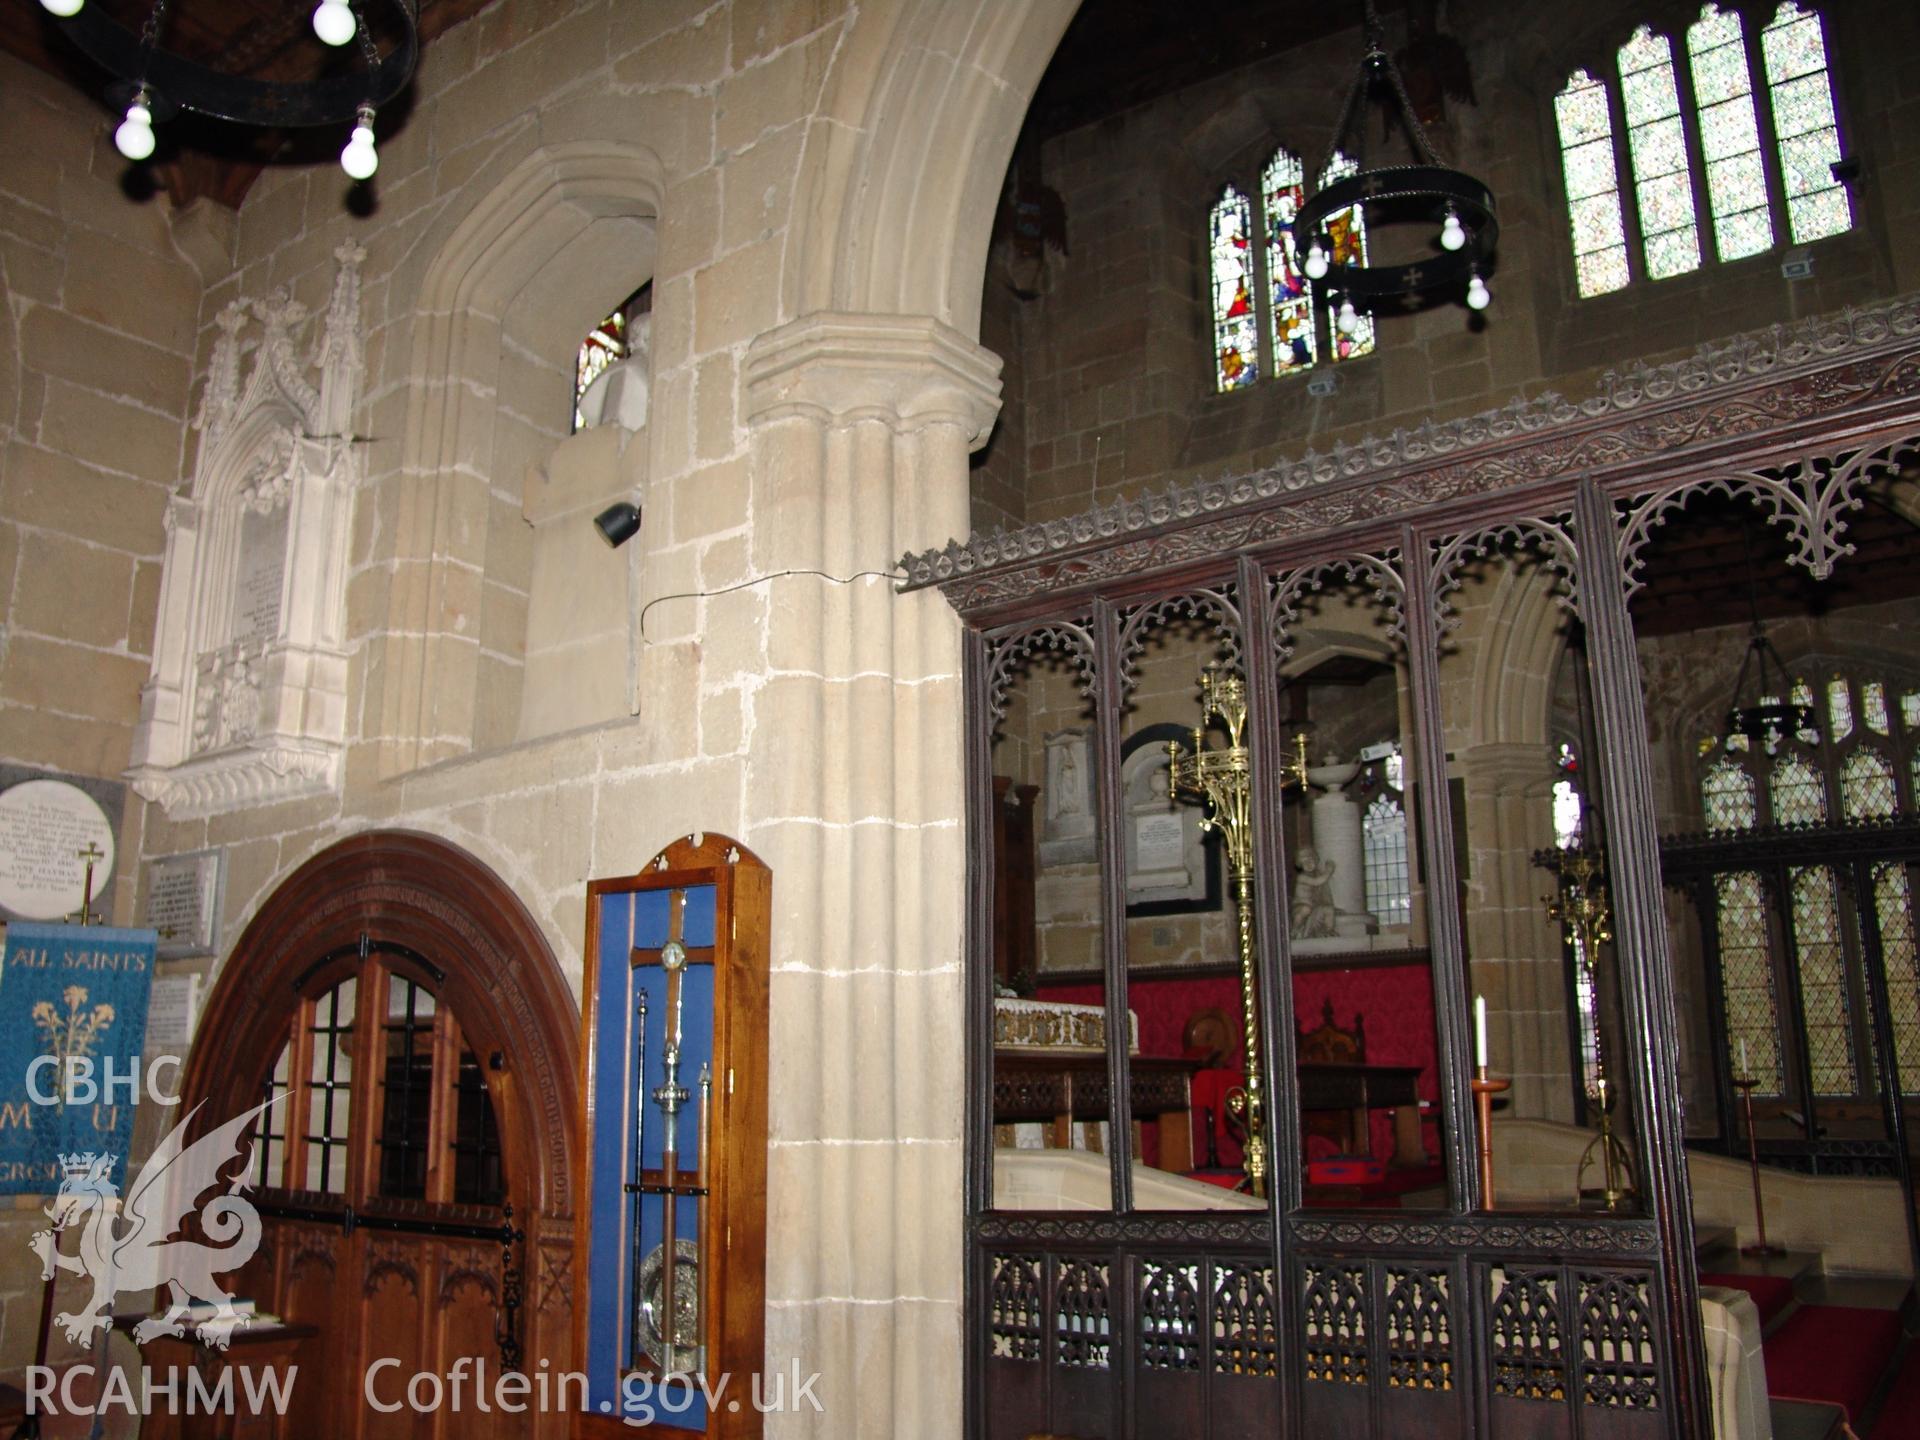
{"x":150,"y":32}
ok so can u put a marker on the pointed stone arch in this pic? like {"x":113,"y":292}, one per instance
{"x":519,"y":274}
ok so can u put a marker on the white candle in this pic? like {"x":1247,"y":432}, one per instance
{"x":1480,"y":1030}
{"x":1744,"y":1072}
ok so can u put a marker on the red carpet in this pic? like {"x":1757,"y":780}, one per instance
{"x":1835,"y":1353}
{"x":1771,"y":1293}
{"x":1900,"y":1416}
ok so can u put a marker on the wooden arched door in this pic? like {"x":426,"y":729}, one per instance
{"x":416,"y":1179}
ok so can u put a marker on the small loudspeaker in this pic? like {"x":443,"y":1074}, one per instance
{"x":618,"y":524}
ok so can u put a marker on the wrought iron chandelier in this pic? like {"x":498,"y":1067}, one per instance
{"x":1771,"y":716}
{"x":154,"y":83}
{"x":1461,"y":205}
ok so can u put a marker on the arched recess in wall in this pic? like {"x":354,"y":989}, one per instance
{"x":535,"y":262}
{"x":897,"y":190}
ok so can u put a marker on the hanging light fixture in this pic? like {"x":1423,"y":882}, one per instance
{"x":154,"y":83}
{"x":1460,"y":205}
{"x":1770,"y":715}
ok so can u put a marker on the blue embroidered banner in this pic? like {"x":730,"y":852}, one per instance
{"x":73,"y":1011}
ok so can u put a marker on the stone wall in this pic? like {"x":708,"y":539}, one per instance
{"x":100,"y":297}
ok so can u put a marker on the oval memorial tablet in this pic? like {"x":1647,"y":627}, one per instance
{"x":44,"y":827}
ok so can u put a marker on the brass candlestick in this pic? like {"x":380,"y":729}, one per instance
{"x":1582,"y":911}
{"x":1221,"y":780}
{"x":1485,"y":1087}
{"x":1744,"y":1084}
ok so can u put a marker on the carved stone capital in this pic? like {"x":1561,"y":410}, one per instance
{"x":907,"y":371}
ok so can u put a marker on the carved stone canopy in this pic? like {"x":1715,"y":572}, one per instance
{"x":247,"y":698}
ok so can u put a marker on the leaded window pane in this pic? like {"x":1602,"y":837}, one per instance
{"x":1729,"y":134}
{"x":1840,"y":707}
{"x":1800,"y":90}
{"x":1567,"y":810}
{"x":1798,"y":792}
{"x":1747,"y":981}
{"x":1728,"y":793}
{"x":1593,"y":184}
{"x":1893,"y":903}
{"x":1873,"y":707}
{"x":1236,"y":338}
{"x":1347,"y":234}
{"x":1867,"y":790}
{"x":1295,"y":345}
{"x":1388,"y":889}
{"x":1657,"y":147}
{"x":1825,"y":1005}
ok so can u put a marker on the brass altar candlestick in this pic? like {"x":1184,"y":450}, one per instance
{"x":1581,"y":909}
{"x":1221,"y":780}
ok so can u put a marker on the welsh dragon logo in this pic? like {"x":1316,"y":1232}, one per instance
{"x":135,"y":1246}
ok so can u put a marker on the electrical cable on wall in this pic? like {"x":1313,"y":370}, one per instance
{"x":895,"y":575}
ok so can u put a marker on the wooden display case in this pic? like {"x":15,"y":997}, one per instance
{"x":674,"y":995}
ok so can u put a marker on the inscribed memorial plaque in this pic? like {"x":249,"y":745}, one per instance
{"x":183,"y":902}
{"x":262,"y":572}
{"x":44,"y":827}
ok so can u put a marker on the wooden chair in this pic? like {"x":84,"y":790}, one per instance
{"x":1328,"y":1044}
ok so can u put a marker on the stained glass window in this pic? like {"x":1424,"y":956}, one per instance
{"x":1657,"y":146}
{"x":1728,"y":793}
{"x":1798,"y":792}
{"x":1747,"y":981}
{"x":605,"y":343}
{"x":1348,"y":233}
{"x":1729,"y":134}
{"x":1294,"y":342}
{"x":1236,"y":336}
{"x":1910,"y":709}
{"x":1839,"y":707}
{"x":1593,"y":185}
{"x":1804,"y":124}
{"x":1866,"y":786}
{"x":1566,"y":814}
{"x":1825,"y":1006}
{"x":1893,"y":902}
{"x":1873,"y":707}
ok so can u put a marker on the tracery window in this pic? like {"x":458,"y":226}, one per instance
{"x":1792,"y":946}
{"x":1253,"y":251}
{"x":1693,"y":142}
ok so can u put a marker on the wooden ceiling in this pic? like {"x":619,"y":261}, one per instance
{"x":1120,"y":53}
{"x":1718,"y":562}
{"x":263,"y":39}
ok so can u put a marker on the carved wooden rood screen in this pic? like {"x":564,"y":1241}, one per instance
{"x":1130,"y":1316}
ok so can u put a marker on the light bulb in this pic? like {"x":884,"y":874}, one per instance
{"x":1452,"y":234}
{"x":1478,"y":296}
{"x":1349,"y":318}
{"x":134,"y":138}
{"x":65,"y":9}
{"x":1316,"y":265}
{"x":333,"y":22}
{"x":359,"y":159}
